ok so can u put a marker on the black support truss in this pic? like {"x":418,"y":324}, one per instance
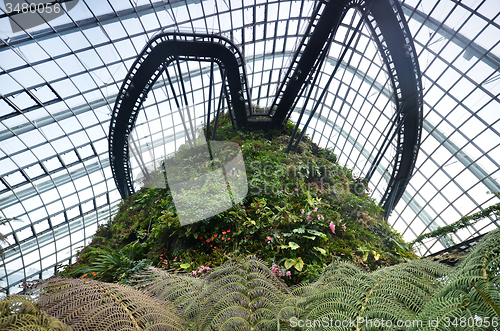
{"x":386,"y":21}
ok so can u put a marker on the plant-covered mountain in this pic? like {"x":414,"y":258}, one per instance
{"x":302,"y":212}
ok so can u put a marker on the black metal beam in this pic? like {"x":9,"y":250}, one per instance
{"x":327,"y":24}
{"x":408,"y":93}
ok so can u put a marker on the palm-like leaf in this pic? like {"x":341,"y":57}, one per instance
{"x":19,"y":312}
{"x":472,"y":291}
{"x":346,"y":293}
{"x":93,"y":305}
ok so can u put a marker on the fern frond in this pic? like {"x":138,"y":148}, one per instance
{"x":472,"y":290}
{"x":93,"y":305}
{"x":346,"y":292}
{"x":181,"y":290}
{"x":19,"y":312}
{"x":444,"y":312}
{"x":480,"y":267}
{"x":240,"y":295}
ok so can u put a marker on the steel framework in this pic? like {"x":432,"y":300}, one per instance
{"x":384,"y":19}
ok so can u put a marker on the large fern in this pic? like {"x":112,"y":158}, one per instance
{"x":19,"y":312}
{"x":396,"y":293}
{"x":472,"y":292}
{"x":242,"y":295}
{"x":239,"y":295}
{"x":246,"y":295}
{"x":98,"y":306}
{"x":180,"y":289}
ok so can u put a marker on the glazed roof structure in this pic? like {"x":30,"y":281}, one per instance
{"x":59,"y":81}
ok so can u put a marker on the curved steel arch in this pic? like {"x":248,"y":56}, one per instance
{"x":386,"y":22}
{"x":163,"y":49}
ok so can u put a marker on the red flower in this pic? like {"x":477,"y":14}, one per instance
{"x":215,"y":235}
{"x":228,"y":231}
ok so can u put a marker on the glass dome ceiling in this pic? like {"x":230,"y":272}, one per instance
{"x":59,"y":82}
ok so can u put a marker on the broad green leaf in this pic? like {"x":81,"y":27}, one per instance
{"x":321,"y":250}
{"x":299,"y":264}
{"x":309,"y":237}
{"x":316,"y":233}
{"x":293,"y":245}
{"x":289,"y":263}
{"x":185,"y":265}
{"x":299,"y":230}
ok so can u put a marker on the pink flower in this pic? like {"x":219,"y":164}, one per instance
{"x":343,"y":226}
{"x":276,"y":270}
{"x":308,"y":217}
{"x":289,"y":274}
{"x":302,"y":211}
{"x":332,"y":227}
{"x":194,"y":273}
{"x":316,"y":210}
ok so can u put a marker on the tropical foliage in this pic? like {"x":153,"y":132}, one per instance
{"x":306,"y":249}
{"x":245,"y":294}
{"x":303,"y":211}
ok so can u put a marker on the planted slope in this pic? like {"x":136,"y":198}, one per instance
{"x":302,"y":211}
